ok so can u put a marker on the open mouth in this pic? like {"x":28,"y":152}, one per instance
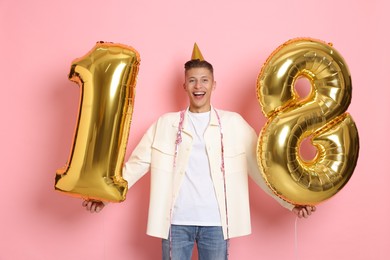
{"x":199,"y":93}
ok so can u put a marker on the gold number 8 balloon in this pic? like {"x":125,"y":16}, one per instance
{"x":320,"y":116}
{"x":106,"y":76}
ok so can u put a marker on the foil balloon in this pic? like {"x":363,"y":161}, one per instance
{"x":321,"y":117}
{"x":107,"y":78}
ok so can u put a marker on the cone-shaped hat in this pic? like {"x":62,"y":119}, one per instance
{"x":196,"y":54}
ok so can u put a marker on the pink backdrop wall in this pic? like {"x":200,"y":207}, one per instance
{"x":39,"y":105}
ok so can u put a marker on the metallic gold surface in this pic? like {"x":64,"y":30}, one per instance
{"x":320,"y":116}
{"x":196,"y":53}
{"x":107,"y":78}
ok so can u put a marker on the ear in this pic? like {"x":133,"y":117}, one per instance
{"x":214,"y":85}
{"x":184,"y":86}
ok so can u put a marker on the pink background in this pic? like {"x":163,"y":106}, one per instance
{"x":39,"y":105}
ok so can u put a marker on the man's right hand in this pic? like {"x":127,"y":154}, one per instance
{"x":93,"y":206}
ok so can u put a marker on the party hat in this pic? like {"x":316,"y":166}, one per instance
{"x":196,"y":54}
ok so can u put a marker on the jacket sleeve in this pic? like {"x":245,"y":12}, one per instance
{"x":253,"y":167}
{"x":139,"y":161}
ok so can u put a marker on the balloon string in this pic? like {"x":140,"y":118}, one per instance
{"x":296,"y":238}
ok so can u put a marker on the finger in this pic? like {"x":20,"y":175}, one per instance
{"x":300,"y":213}
{"x":308,"y":210}
{"x":84,"y":203}
{"x":98,"y":208}
{"x":90,"y":205}
{"x":93,"y":207}
{"x":304,"y":212}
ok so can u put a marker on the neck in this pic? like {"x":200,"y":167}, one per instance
{"x":200,"y":110}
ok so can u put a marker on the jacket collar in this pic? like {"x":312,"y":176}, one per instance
{"x":213,"y":120}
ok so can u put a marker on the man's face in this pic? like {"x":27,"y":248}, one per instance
{"x":199,"y":83}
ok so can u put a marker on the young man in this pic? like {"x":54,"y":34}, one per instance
{"x":199,"y":160}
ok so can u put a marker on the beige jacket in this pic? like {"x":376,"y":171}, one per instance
{"x":155,"y":153}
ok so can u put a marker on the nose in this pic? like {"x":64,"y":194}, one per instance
{"x":198,"y":84}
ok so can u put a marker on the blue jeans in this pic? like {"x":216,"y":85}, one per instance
{"x":210,"y":242}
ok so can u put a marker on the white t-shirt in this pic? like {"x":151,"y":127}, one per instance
{"x":197,"y":204}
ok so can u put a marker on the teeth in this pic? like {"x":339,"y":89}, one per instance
{"x":199,"y":93}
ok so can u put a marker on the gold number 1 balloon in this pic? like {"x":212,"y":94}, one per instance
{"x":321,"y":117}
{"x":107,"y":78}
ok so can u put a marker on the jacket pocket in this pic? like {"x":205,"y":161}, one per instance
{"x":162,"y":155}
{"x":235,"y":160}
